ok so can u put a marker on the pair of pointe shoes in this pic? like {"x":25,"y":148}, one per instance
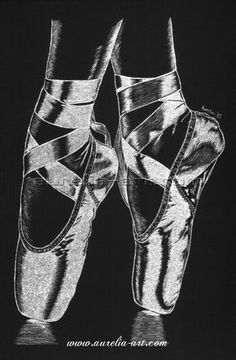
{"x":70,"y":166}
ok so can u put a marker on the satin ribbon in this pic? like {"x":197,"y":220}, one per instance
{"x":146,"y":92}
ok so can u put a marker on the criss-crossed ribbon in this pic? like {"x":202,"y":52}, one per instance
{"x":69,"y":108}
{"x":135,"y":93}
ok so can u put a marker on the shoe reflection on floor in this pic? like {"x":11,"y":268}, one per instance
{"x":34,"y":332}
{"x":148,"y":326}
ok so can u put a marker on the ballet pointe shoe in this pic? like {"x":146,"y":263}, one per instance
{"x":166,"y":154}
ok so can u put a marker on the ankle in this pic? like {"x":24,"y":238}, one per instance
{"x":73,"y":91}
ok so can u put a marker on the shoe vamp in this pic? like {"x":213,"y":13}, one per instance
{"x":44,"y":209}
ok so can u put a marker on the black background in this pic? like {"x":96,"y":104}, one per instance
{"x":201,"y":326}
